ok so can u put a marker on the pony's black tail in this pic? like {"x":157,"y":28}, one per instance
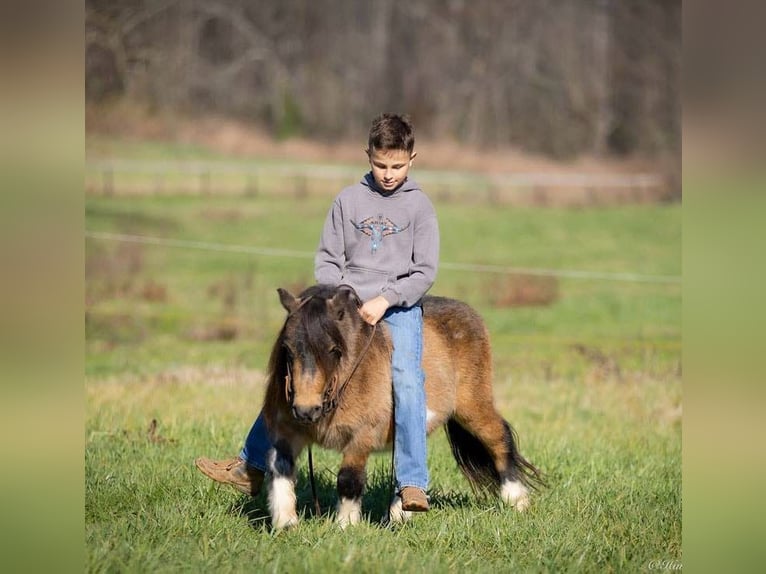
{"x":477,"y":464}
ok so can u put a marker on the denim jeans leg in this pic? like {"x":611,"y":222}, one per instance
{"x":406,"y":328}
{"x":257,"y":445}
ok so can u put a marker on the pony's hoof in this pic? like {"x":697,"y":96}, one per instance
{"x":396,"y":514}
{"x":515,"y":494}
{"x":349,"y":512}
{"x":284,"y":522}
{"x":521,"y":504}
{"x":345,"y":522}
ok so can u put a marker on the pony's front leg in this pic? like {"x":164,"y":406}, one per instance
{"x":351,"y":481}
{"x":282,"y":500}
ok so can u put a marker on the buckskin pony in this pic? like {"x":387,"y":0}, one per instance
{"x":329,"y":384}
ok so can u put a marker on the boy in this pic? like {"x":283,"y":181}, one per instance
{"x":381,"y":237}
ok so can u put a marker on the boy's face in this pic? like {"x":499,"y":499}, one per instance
{"x":390,"y":167}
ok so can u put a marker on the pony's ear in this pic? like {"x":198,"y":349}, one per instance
{"x":340,"y":301}
{"x":289,"y":302}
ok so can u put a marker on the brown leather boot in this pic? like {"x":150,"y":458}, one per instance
{"x":414,"y":499}
{"x":236,"y":472}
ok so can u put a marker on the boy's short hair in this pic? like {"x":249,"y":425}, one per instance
{"x":391,"y":132}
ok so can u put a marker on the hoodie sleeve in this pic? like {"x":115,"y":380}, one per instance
{"x":330,"y":255}
{"x":407,"y":291}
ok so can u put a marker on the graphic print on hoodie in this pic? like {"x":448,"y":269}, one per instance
{"x":377,"y":228}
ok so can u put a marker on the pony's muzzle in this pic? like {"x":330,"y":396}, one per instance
{"x":310,"y":414}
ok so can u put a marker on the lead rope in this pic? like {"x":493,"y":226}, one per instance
{"x":317,"y":508}
{"x":330,"y":401}
{"x":392,"y":473}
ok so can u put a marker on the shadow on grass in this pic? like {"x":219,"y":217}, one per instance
{"x":377,"y":497}
{"x":256,"y":509}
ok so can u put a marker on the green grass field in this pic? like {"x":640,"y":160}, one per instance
{"x":589,"y":376}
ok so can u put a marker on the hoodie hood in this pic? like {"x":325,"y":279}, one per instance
{"x":369,"y":181}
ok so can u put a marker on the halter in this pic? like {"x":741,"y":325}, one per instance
{"x":334,"y":391}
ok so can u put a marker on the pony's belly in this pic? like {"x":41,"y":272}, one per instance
{"x":435,"y":419}
{"x":334,"y":437}
{"x":341,"y":438}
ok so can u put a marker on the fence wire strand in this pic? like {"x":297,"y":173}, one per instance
{"x":475,"y":268}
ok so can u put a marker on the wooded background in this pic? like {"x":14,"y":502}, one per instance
{"x":555,"y":77}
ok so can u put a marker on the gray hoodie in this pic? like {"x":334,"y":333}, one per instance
{"x":380,"y":243}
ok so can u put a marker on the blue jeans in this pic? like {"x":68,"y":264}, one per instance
{"x":405,"y":324}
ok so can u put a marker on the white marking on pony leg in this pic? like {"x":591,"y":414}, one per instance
{"x":282,"y":503}
{"x":515,"y":493}
{"x":349,"y":512}
{"x":396,"y":514}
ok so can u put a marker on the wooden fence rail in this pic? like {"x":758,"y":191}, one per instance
{"x":116,"y":177}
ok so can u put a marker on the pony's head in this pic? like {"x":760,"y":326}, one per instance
{"x":313,"y":349}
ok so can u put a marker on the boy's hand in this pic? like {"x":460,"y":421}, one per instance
{"x":373,"y":310}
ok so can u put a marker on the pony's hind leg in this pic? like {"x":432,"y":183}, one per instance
{"x":486,"y":450}
{"x":520,"y":474}
{"x":352,"y":477}
{"x":516,"y":475}
{"x":282,"y":499}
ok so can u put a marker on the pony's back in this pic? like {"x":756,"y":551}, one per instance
{"x":457,"y":359}
{"x":454,"y":320}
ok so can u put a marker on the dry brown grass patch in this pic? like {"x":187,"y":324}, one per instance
{"x":519,"y":290}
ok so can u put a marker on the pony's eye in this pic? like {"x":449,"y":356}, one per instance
{"x":335,"y":352}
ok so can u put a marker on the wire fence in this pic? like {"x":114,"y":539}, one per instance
{"x":210,"y":322}
{"x":288,"y":253}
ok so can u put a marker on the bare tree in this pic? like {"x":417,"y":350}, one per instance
{"x":553,"y":76}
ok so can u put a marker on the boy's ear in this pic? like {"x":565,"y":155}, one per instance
{"x":412,"y":157}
